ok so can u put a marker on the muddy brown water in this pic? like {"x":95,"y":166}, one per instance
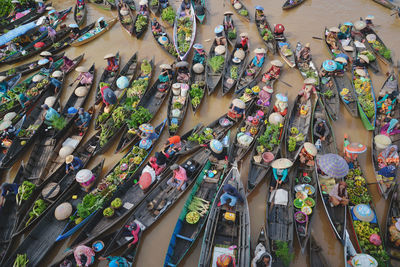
{"x":301,"y":23}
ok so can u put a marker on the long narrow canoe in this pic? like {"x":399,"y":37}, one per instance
{"x":183,"y":46}
{"x":139,"y":31}
{"x":242,"y":11}
{"x":386,"y":3}
{"x":175,"y":121}
{"x":80,"y":14}
{"x":392,"y":215}
{"x":246,"y":79}
{"x":213,"y":77}
{"x":330,"y":97}
{"x":291,"y":4}
{"x":285,"y":51}
{"x":230,"y":30}
{"x":202,"y":6}
{"x":167,"y":45}
{"x":346,"y":91}
{"x":378,"y":46}
{"x":93,"y":34}
{"x":197,"y":80}
{"x":265,"y":31}
{"x":362,"y":49}
{"x":317,"y":258}
{"x":127,"y":21}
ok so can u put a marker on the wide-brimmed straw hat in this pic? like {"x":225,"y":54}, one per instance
{"x":359,"y":25}
{"x":310,"y":148}
{"x":282,"y":163}
{"x":277,"y":63}
{"x":334,"y":29}
{"x":341,"y":60}
{"x":45,"y":53}
{"x":69,"y":159}
{"x":216,"y":146}
{"x":109,"y":56}
{"x":361,"y":72}
{"x":239,"y":103}
{"x":364,"y":57}
{"x":259,"y":51}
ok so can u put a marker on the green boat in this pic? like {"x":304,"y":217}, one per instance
{"x":197,"y":6}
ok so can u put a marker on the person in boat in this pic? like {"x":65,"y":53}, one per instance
{"x":49,"y":115}
{"x":172,"y":146}
{"x":281,"y":104}
{"x":332,"y":38}
{"x":237,"y":109}
{"x":108,"y":95}
{"x":72,"y":164}
{"x":143,"y":9}
{"x":219,"y":153}
{"x":163,"y":3}
{"x":280,"y":170}
{"x":390,"y":127}
{"x":273,"y":72}
{"x":394,"y":230}
{"x":199,"y":54}
{"x":80,"y":4}
{"x":83,"y":254}
{"x":41,"y":7}
{"x":55,"y":82}
{"x":53,"y":16}
{"x":386,"y":104}
{"x":85,"y":77}
{"x":243,"y":43}
{"x":158,"y":163}
{"x":307,"y":154}
{"x":75,"y":31}
{"x":389,"y":156}
{"x":219,"y":35}
{"x":68,"y":64}
{"x":179,"y":177}
{"x":164,"y":77}
{"x":304,"y":56}
{"x":264,"y":96}
{"x":387,"y":176}
{"x":116,"y":261}
{"x":182,"y":71}
{"x":131,"y":231}
{"x":279,"y":30}
{"x":148,"y":177}
{"x":308,"y":89}
{"x":6,"y":189}
{"x":261,"y":257}
{"x":321,"y":130}
{"x":112,"y":64}
{"x":185,"y":8}
{"x":9,"y":132}
{"x":231,"y":195}
{"x":102,"y":23}
{"x":345,"y":31}
{"x":369,"y":21}
{"x":338,"y":194}
{"x":228,"y":22}
{"x":23,"y":100}
{"x":361,"y":62}
{"x":257,"y":61}
{"x":341,"y":64}
{"x":226,"y":260}
{"x":156,"y":27}
{"x":260,"y":13}
{"x":83,"y":121}
{"x":328,"y":69}
{"x":147,"y":135}
{"x":3,"y":85}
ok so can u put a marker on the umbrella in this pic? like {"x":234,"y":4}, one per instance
{"x":83,"y":176}
{"x":363,"y":260}
{"x":109,"y":96}
{"x":329,"y":65}
{"x":355,"y":148}
{"x":333,"y":165}
{"x":146,"y":128}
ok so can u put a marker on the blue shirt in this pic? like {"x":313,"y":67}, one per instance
{"x":51,"y":113}
{"x":280,"y":172}
{"x":122,"y":262}
{"x":76,"y":163}
{"x":85,"y":117}
{"x":259,"y":64}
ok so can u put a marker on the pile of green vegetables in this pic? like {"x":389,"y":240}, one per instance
{"x":216,"y":63}
{"x":27,"y":133}
{"x":328,"y":93}
{"x":139,"y":116}
{"x":197,"y":93}
{"x":21,"y":261}
{"x":59,"y":122}
{"x":25,"y":191}
{"x":294,"y":138}
{"x":89,"y":204}
{"x":204,"y":136}
{"x":38,"y":208}
{"x":270,"y":139}
{"x":168,"y":15}
{"x":312,"y":74}
{"x":282,"y":252}
{"x":381,"y":49}
{"x":243,"y":12}
{"x":234,"y":72}
{"x":154,"y":3}
{"x":364,"y":94}
{"x":232,"y":34}
{"x":267,"y":35}
{"x":108,"y":129}
{"x":141,"y":22}
{"x":199,"y":205}
{"x":369,"y":55}
{"x":184,"y":34}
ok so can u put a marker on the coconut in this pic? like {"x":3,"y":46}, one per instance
{"x":220,"y":50}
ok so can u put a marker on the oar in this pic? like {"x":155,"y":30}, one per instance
{"x":318,"y":38}
{"x":285,"y":83}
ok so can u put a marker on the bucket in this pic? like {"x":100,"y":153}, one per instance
{"x":176,"y":88}
{"x":300,"y":221}
{"x":184,"y":89}
{"x":267,"y":157}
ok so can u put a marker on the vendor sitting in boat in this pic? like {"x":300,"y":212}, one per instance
{"x":369,"y":20}
{"x":259,"y":13}
{"x":49,"y":115}
{"x":72,"y":164}
{"x":328,"y":69}
{"x":237,"y":109}
{"x":261,"y":257}
{"x":345,"y":31}
{"x":281,"y":104}
{"x":307,"y":154}
{"x":80,"y":4}
{"x":231,"y":195}
{"x":390,"y":127}
{"x":132,"y":231}
{"x":179,"y":177}
{"x":172,"y":146}
{"x":75,"y":31}
{"x":7,"y":189}
{"x":386,"y":104}
{"x":304,"y":56}
{"x":164,"y":77}
{"x":108,"y":95}
{"x":23,"y":100}
{"x":226,"y":260}
{"x":341,"y":64}
{"x":219,"y":153}
{"x":228,"y":22}
{"x":85,"y":77}
{"x":147,"y":178}
{"x":389,"y":156}
{"x":8,"y":130}
{"x":257,"y":62}
{"x":332,"y":38}
{"x":321,"y":130}
{"x":243,"y":42}
{"x":55,"y":81}
{"x":112,"y":64}
{"x":83,"y":121}
{"x":264,"y":96}
{"x":361,"y":62}
{"x":338,"y":194}
{"x":164,"y":3}
{"x":68,"y":64}
{"x":307,"y":90}
{"x":156,"y":27}
{"x":143,"y":8}
{"x":219,"y":35}
{"x":84,"y":256}
{"x":279,"y":30}
{"x":199,"y":54}
{"x":116,"y":261}
{"x":185,"y":8}
{"x":158,"y":162}
{"x":147,"y":135}
{"x":394,"y":230}
{"x":280,"y":170}
{"x":102,"y":23}
{"x":273,"y":72}
{"x":85,"y":178}
{"x":182,"y":70}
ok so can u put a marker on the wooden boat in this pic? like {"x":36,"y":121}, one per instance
{"x":166,"y":6}
{"x":31,"y":50}
{"x":348,"y":250}
{"x":175,"y":122}
{"x":93,"y":34}
{"x":221,"y":234}
{"x":179,"y":29}
{"x":213,"y":78}
{"x":129,"y":71}
{"x":385,"y":186}
{"x":197,"y":81}
{"x":329,"y":94}
{"x":349,"y":100}
{"x":57,"y":181}
{"x":368,"y":120}
{"x":131,"y":195}
{"x":27,"y":68}
{"x":232,"y":73}
{"x":306,"y":69}
{"x":42,"y":238}
{"x":103,"y":4}
{"x":392,"y":214}
{"x":80,"y":15}
{"x":386,"y":3}
{"x":279,"y":219}
{"x":200,"y":17}
{"x":246,"y":80}
{"x":66,"y":42}
{"x":138,"y":32}
{"x":127,"y":21}
{"x":243,"y":12}
{"x":291,"y":4}
{"x":374,"y":46}
{"x":158,"y":202}
{"x":11,"y":81}
{"x":185,"y":234}
{"x":285,"y":51}
{"x":168,"y":47}
{"x":108,"y":77}
{"x":262,"y":239}
{"x":351,"y":54}
{"x":152,"y":100}
{"x":112,"y":3}
{"x":9,"y":218}
{"x":230,"y":33}
{"x":301,"y":123}
{"x":362,"y":49}
{"x":317,"y":258}
{"x":265,"y":31}
{"x":154,"y":7}
{"x":319,"y":113}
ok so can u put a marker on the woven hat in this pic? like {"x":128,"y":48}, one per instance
{"x":15,"y":1}
{"x":370,"y":17}
{"x":334,"y":29}
{"x":220,"y":50}
{"x":277,"y":63}
{"x":65,"y":151}
{"x":382,"y":140}
{"x":46,"y":54}
{"x":81,"y":69}
{"x":349,"y":24}
{"x":83,"y":176}
{"x":69,"y":159}
{"x":163,"y":40}
{"x":50,"y":101}
{"x":244,"y":34}
{"x":124,"y":12}
{"x":182,"y":64}
{"x":100,"y":19}
{"x":259,"y":51}
{"x":348,"y":48}
{"x":43,"y":61}
{"x":198,"y":46}
{"x":361,"y":72}
{"x":239,"y":103}
{"x":39,"y":1}
{"x":364,"y":57}
{"x":310,"y":148}
{"x":109,"y":56}
{"x":10,"y":116}
{"x":236,"y":60}
{"x":310,"y":81}
{"x":63,"y":211}
{"x":240,"y":54}
{"x":216,"y":146}
{"x":268,"y":89}
{"x":341,"y":60}
{"x":5,"y":124}
{"x":143,"y":2}
{"x":54,"y":188}
{"x":237,"y":5}
{"x":81,"y":91}
{"x":174,"y":167}
{"x":282,"y":163}
{"x":307,"y":45}
{"x":198,"y":68}
{"x":37,"y":78}
{"x":57,"y":74}
{"x":359,"y":25}
{"x":165,"y":66}
{"x":2,"y":78}
{"x":275,"y":118}
{"x":228,"y":13}
{"x":371,"y":37}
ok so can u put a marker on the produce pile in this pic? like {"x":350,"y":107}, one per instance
{"x":234,"y":72}
{"x":294,"y":138}
{"x":184,"y":34}
{"x":204,"y":136}
{"x":363,"y":88}
{"x":168,"y":15}
{"x":139,"y":116}
{"x":232,"y":34}
{"x":248,"y":95}
{"x":270,"y":139}
{"x":369,"y":55}
{"x":141,"y":22}
{"x":197,"y":208}
{"x":216,"y":63}
{"x":357,"y":188}
{"x":38,"y":208}
{"x":25,"y":191}
{"x":267,"y":34}
{"x":21,"y":261}
{"x":197,"y":93}
{"x":178,"y":106}
{"x":381,"y":49}
{"x":27,"y":133}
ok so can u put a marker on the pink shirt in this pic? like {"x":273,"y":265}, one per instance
{"x":83,"y":250}
{"x":335,"y":192}
{"x":180,"y":174}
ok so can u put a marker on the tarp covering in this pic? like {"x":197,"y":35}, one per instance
{"x":5,"y":38}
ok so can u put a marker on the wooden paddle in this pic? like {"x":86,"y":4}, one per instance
{"x":285,"y":83}
{"x":318,"y":38}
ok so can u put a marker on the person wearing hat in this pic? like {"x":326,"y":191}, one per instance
{"x":158,"y":162}
{"x":228,"y":22}
{"x":182,"y":72}
{"x":368,"y":21}
{"x":261,"y":256}
{"x":230,"y":194}
{"x":219,"y":35}
{"x":265,"y":95}
{"x":178,"y":178}
{"x":8,"y":131}
{"x":304,"y":56}
{"x":281,"y":104}
{"x":279,"y":29}
{"x":332,"y":38}
{"x":49,"y":115}
{"x":72,"y":164}
{"x":199,"y":54}
{"x":143,"y":8}
{"x":219,"y":153}
{"x":260,"y":16}
{"x":338,"y":194}
{"x":243,"y":43}
{"x":280,"y":170}
{"x":237,"y":109}
{"x":84,"y":77}
{"x":108,"y":95}
{"x":165,"y":74}
{"x":23,"y":100}
{"x":112,"y":63}
{"x":361,"y":62}
{"x":67,"y":65}
{"x":389,"y":156}
{"x":258,"y":59}
{"x":273,"y":72}
{"x":80,"y":4}
{"x":307,"y":154}
{"x":345,"y":31}
{"x":390,"y":127}
{"x":185,"y":8}
{"x":341,"y":64}
{"x":84,"y":256}
{"x":147,"y":177}
{"x":394,"y":228}
{"x":83,"y":121}
{"x":102,"y":23}
{"x":172,"y":145}
{"x":156,"y":27}
{"x":8,"y":189}
{"x":55,"y":82}
{"x":75,"y":31}
{"x":118,"y":261}
{"x":386,"y":104}
{"x":307,"y":90}
{"x":226,"y":260}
